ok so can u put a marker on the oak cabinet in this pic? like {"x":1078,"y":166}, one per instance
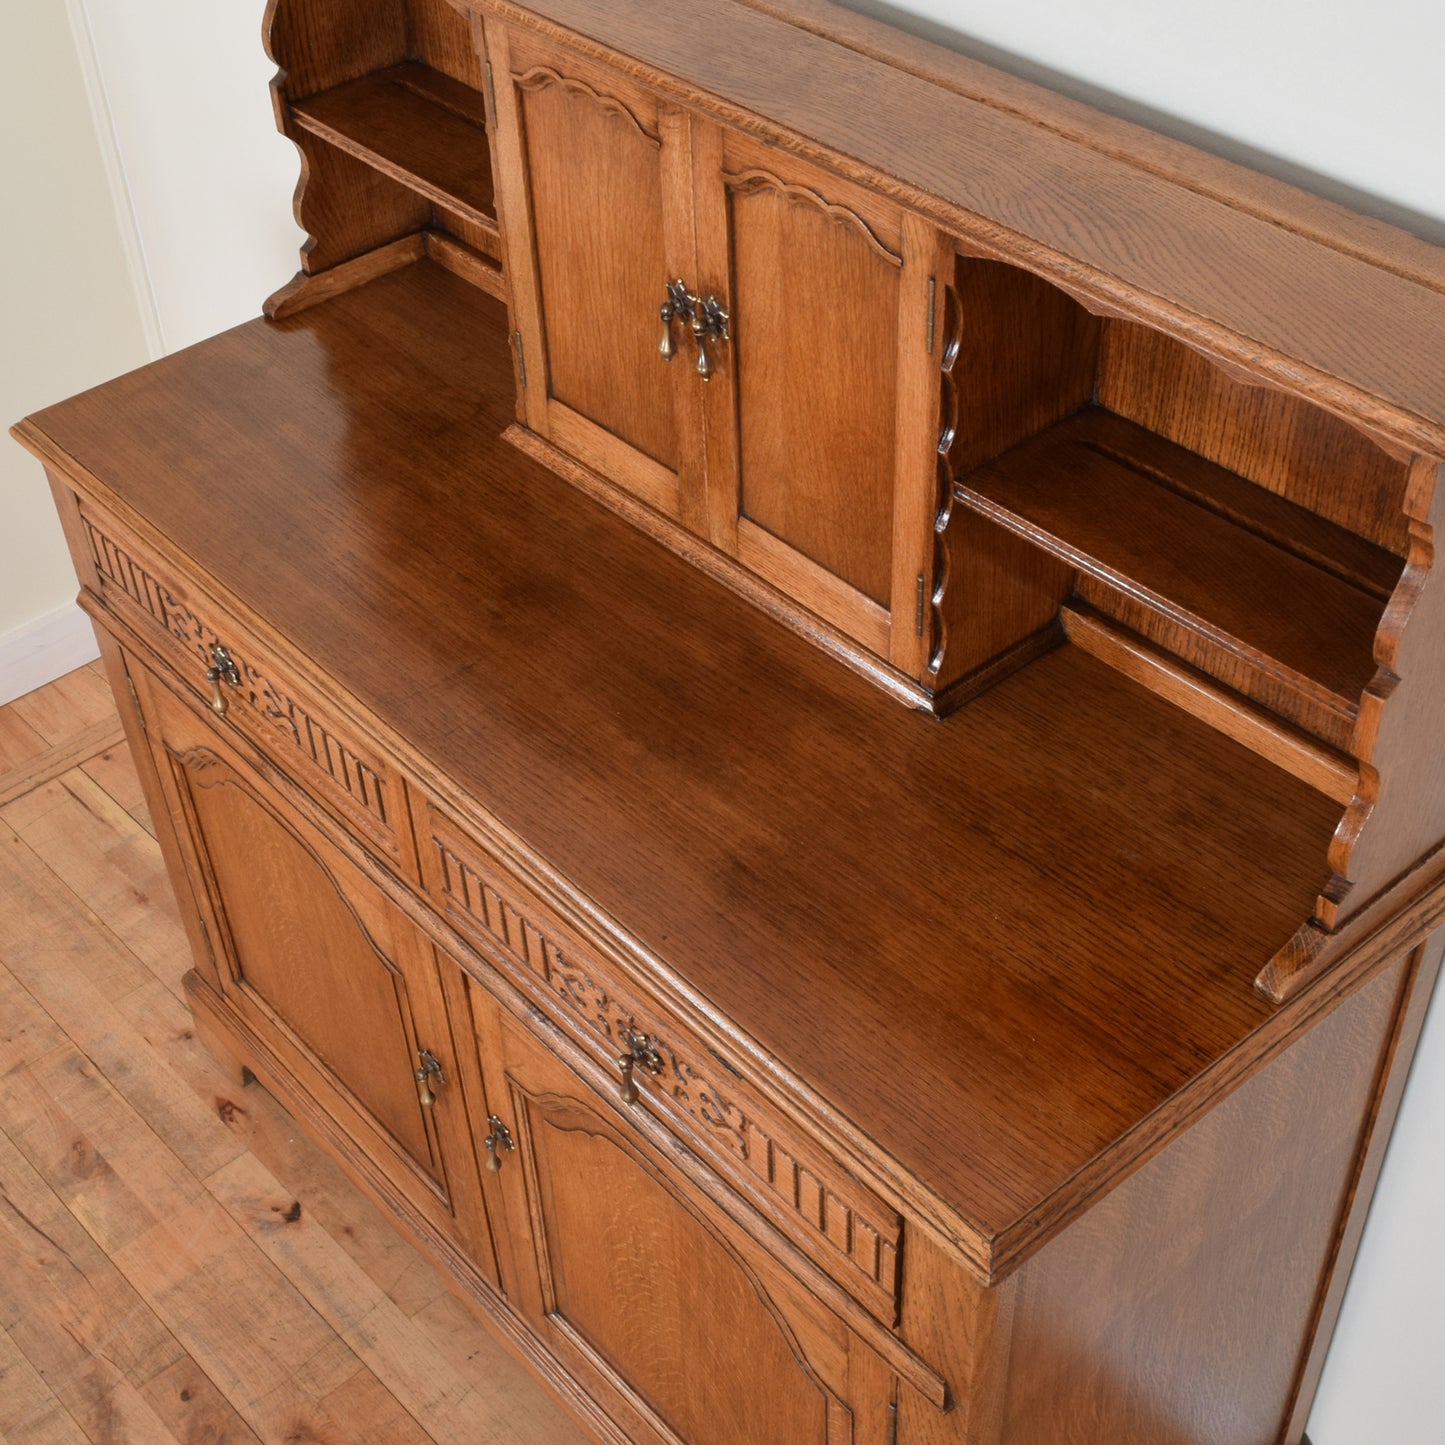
{"x":769,"y":1060}
{"x":734,"y":336}
{"x":682,"y":1323}
{"x":341,"y":989}
{"x":592,"y":275}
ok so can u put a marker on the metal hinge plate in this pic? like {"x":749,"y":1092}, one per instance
{"x":521,"y":358}
{"x":491,"y":98}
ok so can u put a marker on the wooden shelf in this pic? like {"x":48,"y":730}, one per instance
{"x":418,"y":126}
{"x":1283,"y":590}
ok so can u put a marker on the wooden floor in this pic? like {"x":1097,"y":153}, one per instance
{"x":176,"y":1262}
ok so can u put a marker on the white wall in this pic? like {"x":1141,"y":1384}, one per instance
{"x":1343,"y":97}
{"x":70,"y":319}
{"x":209,"y":178}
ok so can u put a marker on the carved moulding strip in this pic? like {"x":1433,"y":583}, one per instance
{"x":359,"y":781}
{"x":742,"y":182}
{"x":539,"y":77}
{"x":869,"y":1246}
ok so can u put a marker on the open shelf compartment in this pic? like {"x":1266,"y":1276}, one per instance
{"x":387,"y":105}
{"x":1248,"y":533}
{"x":418,"y":126}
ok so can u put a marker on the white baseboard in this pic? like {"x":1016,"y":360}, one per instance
{"x":43,"y":649}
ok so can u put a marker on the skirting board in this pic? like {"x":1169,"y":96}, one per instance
{"x":43,"y":649}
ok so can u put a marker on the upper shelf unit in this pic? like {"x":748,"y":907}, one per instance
{"x":1251,"y":534}
{"x":386,"y":102}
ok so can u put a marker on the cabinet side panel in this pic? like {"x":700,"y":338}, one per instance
{"x":1177,"y":1310}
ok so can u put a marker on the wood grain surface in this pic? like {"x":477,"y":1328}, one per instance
{"x":681,"y":727}
{"x":182,"y":1263}
{"x":1338,"y":321}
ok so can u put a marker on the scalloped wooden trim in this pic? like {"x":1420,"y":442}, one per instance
{"x":752,"y":179}
{"x":541,"y":76}
{"x":952,"y":330}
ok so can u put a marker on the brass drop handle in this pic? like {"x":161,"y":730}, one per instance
{"x":709,"y":320}
{"x":641,"y":1049}
{"x":679,"y":303}
{"x":497,"y":1143}
{"x":222,"y":669}
{"x":430,"y":1070}
{"x":704,"y":361}
{"x":706,"y":319}
{"x":625,"y":1063}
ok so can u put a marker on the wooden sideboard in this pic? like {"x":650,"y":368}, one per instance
{"x":793,"y":696}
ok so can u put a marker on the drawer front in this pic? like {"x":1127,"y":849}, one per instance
{"x":254,"y":694}
{"x":851,"y":1234}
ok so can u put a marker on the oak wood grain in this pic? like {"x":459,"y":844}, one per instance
{"x":1325,"y":321}
{"x":87,"y":1353}
{"x":1133,"y":1325}
{"x":712,"y":738}
{"x":1274,"y":439}
{"x":1097,"y":492}
{"x":415,"y":124}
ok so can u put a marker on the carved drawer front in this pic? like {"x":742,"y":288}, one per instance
{"x":243,"y":685}
{"x":662,"y":1066}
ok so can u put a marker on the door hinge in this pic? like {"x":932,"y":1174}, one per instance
{"x":932,"y":308}
{"x":491,"y":98}
{"x":521,"y":358}
{"x":135,"y":701}
{"x":918,"y":618}
{"x":893,"y":1422}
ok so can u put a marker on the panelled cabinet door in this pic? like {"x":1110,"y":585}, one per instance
{"x":340,"y":986}
{"x":822,"y":415}
{"x":592,"y":183}
{"x":665,"y":1310}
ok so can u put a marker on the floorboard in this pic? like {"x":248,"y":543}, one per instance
{"x":179,"y":1263}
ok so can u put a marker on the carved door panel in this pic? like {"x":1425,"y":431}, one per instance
{"x":822,"y":417}
{"x":342,"y":992}
{"x":676,"y":1320}
{"x":592,"y":182}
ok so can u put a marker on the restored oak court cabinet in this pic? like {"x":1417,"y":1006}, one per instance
{"x":794,"y":697}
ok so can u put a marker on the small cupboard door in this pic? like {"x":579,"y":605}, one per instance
{"x":670,"y":1315}
{"x":822,"y":415}
{"x":341,"y":989}
{"x":593,"y":188}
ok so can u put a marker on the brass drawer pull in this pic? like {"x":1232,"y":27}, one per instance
{"x":704,"y":318}
{"x":497,"y":1143}
{"x":641,"y":1049}
{"x":430,"y":1072}
{"x":223,"y":669}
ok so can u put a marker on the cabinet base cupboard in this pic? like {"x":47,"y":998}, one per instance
{"x":792,"y":693}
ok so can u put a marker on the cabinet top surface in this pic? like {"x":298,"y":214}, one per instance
{"x":994,"y":944}
{"x":1349,"y":310}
